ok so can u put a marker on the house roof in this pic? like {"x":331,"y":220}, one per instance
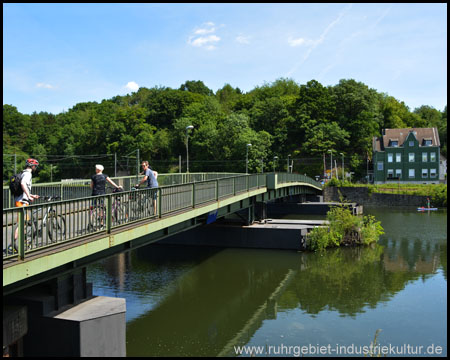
{"x":380,"y":143}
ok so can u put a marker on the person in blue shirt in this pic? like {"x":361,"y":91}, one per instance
{"x":149,"y":178}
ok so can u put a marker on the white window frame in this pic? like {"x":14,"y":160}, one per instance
{"x":380,"y":166}
{"x":411,"y":143}
{"x":390,"y":157}
{"x":432,"y":157}
{"x":398,"y":157}
{"x":398,"y":173}
{"x":411,"y":157}
{"x":390,"y":172}
{"x":424,"y":173}
{"x":424,"y":157}
{"x":411,"y":173}
{"x":433,"y":175}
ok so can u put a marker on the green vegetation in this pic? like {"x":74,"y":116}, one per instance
{"x":436,"y":192}
{"x":278,"y":119}
{"x":345,"y":229}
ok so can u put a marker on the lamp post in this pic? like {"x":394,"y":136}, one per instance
{"x":351,"y":173}
{"x":246,"y":158}
{"x":190,"y":127}
{"x":275,"y":158}
{"x":343,"y":172}
{"x":331,"y":164}
{"x":289,"y":161}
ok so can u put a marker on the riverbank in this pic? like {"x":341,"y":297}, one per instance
{"x":363,"y":196}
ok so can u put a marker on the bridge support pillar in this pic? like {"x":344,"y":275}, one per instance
{"x":260,"y":211}
{"x":63,"y":318}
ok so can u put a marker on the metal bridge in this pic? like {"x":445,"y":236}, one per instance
{"x":58,"y":237}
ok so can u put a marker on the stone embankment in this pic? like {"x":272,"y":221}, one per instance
{"x":362,"y":196}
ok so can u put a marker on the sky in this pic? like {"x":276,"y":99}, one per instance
{"x":58,"y":55}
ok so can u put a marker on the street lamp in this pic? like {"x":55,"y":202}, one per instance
{"x":275,"y":158}
{"x":351,"y":173}
{"x":190,"y":127}
{"x":246,"y":159}
{"x":343,"y":172}
{"x":289,"y":160}
{"x":331,"y":163}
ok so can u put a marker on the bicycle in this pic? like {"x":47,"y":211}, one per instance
{"x":141,"y":204}
{"x":40,"y":218}
{"x":97,"y":212}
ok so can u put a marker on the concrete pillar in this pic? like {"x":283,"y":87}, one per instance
{"x":63,"y":318}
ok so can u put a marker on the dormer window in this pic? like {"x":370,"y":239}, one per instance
{"x":393,"y":142}
{"x":427,"y":142}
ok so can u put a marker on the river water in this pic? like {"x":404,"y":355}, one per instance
{"x":204,"y":301}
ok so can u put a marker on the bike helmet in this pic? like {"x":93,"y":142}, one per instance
{"x":31,"y":162}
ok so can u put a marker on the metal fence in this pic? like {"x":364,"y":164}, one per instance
{"x":75,"y":189}
{"x":42,"y":225}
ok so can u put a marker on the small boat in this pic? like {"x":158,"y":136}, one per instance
{"x":424,"y":209}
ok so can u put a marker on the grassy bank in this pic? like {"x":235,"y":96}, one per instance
{"x":437,"y":193}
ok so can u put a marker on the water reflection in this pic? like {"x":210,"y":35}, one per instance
{"x":198,"y":301}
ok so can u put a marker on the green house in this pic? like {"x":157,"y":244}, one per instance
{"x":407,"y":156}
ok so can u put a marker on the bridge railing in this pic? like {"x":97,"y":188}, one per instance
{"x":284,"y":178}
{"x":79,"y":188}
{"x":44,"y":225}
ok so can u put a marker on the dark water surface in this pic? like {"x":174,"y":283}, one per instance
{"x":201,"y":301}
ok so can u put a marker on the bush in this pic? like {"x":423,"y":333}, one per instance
{"x":344,"y":229}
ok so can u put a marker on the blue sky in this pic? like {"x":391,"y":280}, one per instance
{"x":57,"y":55}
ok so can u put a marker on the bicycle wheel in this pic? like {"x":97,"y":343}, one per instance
{"x":120,"y":215}
{"x":56,"y":226}
{"x":31,"y":234}
{"x":96,"y":219}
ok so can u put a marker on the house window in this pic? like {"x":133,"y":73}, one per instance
{"x":411,"y":173}
{"x":424,"y":173}
{"x":398,"y":173}
{"x":398,"y":157}
{"x":393,"y":143}
{"x":411,"y":157}
{"x":390,"y":157}
{"x":411,"y":143}
{"x":390,"y":173}
{"x":432,"y":157}
{"x":432,"y":173}
{"x":424,"y":157}
{"x":427,"y":142}
{"x":380,"y":165}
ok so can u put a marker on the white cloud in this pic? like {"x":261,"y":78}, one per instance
{"x":44,"y":86}
{"x":132,"y":86}
{"x":298,"y":42}
{"x":243,"y":39}
{"x":199,"y":38}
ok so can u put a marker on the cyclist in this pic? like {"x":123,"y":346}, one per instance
{"x":150,"y":177}
{"x":26,"y":197}
{"x":98,"y":181}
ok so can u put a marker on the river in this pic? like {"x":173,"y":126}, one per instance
{"x":205,"y":301}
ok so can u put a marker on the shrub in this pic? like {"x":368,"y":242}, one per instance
{"x":344,"y":229}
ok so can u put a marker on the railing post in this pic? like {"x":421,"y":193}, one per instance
{"x":248,"y":182}
{"x":217,"y":189}
{"x":21,"y":238}
{"x":234,"y":186}
{"x":108,"y":213}
{"x":193,"y":194}
{"x":159,"y":203}
{"x":61,"y":191}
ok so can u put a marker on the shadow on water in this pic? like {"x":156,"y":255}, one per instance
{"x":201,"y":301}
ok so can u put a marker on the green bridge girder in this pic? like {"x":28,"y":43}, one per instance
{"x":31,"y":267}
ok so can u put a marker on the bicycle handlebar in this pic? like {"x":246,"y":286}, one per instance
{"x":50,"y":198}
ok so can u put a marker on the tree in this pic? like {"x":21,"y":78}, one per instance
{"x":197,"y":87}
